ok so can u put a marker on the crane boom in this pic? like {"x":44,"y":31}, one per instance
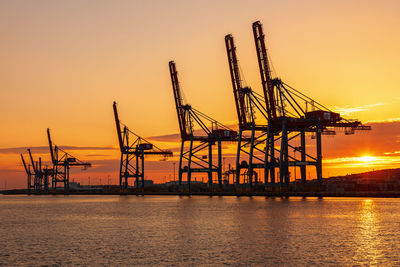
{"x":26,"y":168}
{"x":265,"y":71}
{"x":120,"y":141}
{"x":33,"y":163}
{"x":50,"y":146}
{"x":178,"y":99}
{"x":236,"y":80}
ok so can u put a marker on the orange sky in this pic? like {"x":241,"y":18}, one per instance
{"x":63,"y":63}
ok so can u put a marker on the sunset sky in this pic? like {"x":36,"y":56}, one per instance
{"x":63,"y":63}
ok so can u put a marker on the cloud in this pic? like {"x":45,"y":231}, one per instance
{"x":364,"y":162}
{"x":347,"y":110}
{"x":392,"y":153}
{"x":384,"y":137}
{"x":385,"y":121}
{"x":166,"y":138}
{"x":45,"y":149}
{"x":340,"y":154}
{"x":96,"y":155}
{"x":176,"y":137}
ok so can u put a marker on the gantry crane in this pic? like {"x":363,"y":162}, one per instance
{"x":252,"y":117}
{"x":41,"y":174}
{"x":133,"y":150}
{"x":199,"y":140}
{"x":37,"y":170}
{"x":28,"y":174}
{"x":290,"y":115}
{"x":62,"y":162}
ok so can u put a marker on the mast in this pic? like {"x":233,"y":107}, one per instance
{"x":26,"y":168}
{"x":265,"y":72}
{"x":236,"y":80}
{"x":33,"y":163}
{"x":50,"y":146}
{"x":117,"y":122}
{"x":178,"y":99}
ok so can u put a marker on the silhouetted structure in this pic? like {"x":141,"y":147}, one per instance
{"x":28,"y":174}
{"x":38,"y":174}
{"x":285,"y":120}
{"x":62,"y":162}
{"x":199,"y":140}
{"x":133,"y":150}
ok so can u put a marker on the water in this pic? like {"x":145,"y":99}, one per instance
{"x":182,"y":231}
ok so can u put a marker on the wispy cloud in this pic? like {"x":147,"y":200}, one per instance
{"x":364,"y":162}
{"x":392,"y":153}
{"x":386,"y":120}
{"x":45,"y":149}
{"x":166,"y":138}
{"x":175,"y":137}
{"x":348,"y":110}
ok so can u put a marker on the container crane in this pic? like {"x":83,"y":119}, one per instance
{"x":41,"y":174}
{"x":200,"y":140}
{"x":62,"y":162}
{"x":133,"y":150}
{"x":289,"y":120}
{"x":37,"y":170}
{"x":252,"y":116}
{"x":28,"y":173}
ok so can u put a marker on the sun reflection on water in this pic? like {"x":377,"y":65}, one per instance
{"x":367,"y":239}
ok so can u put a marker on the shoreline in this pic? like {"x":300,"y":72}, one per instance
{"x":241,"y":194}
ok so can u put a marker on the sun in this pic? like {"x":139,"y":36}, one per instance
{"x":367,"y":158}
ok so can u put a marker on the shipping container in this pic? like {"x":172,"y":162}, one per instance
{"x":221,"y":133}
{"x":145,"y":146}
{"x":323,"y":115}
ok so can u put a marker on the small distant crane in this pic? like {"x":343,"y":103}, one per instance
{"x":37,"y":170}
{"x":133,"y":151}
{"x":40,"y":175}
{"x":62,"y":162}
{"x":28,"y":173}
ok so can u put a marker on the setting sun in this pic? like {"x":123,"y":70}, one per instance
{"x":367,"y":159}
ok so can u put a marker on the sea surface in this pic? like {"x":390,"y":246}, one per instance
{"x":191,"y":231}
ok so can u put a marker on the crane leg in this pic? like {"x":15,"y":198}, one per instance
{"x":189,"y":173}
{"x":282,"y":155}
{"x":142,"y":170}
{"x":272,"y":159}
{"x":266,"y":158}
{"x":219,"y":164}
{"x":121,"y":163}
{"x":286,"y":161}
{"x":237,"y":176}
{"x":180,"y":164}
{"x":303,"y":170}
{"x":126,"y":170}
{"x":210,"y":166}
{"x":319,"y":155}
{"x":137,"y":174}
{"x":250,"y":172}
